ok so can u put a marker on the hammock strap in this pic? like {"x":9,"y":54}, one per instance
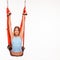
{"x":8,"y":32}
{"x":22,"y":26}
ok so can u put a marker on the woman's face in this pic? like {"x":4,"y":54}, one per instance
{"x":16,"y":32}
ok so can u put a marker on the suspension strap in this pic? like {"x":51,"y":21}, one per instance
{"x":8,"y":32}
{"x":21,"y":26}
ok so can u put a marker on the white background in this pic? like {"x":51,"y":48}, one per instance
{"x":42,"y":34}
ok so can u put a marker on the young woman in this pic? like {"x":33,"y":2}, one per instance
{"x":16,"y":37}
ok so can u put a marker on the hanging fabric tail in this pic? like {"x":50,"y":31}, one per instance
{"x":24,"y":13}
{"x":8,"y":32}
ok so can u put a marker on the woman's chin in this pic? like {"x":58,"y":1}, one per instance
{"x":16,"y":35}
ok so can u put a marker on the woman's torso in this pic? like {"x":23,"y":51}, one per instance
{"x":16,"y":44}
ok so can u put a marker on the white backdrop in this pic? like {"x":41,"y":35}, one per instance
{"x":42,"y":34}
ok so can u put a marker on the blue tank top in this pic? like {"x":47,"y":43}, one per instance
{"x":16,"y":44}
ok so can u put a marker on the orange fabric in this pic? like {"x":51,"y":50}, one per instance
{"x":24,"y":12}
{"x":7,"y":11}
{"x":21,"y":31}
{"x":8,"y":33}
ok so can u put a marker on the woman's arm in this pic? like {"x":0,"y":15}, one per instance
{"x":22,"y":29}
{"x":10,"y":28}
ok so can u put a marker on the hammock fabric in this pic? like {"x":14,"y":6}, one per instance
{"x":8,"y":32}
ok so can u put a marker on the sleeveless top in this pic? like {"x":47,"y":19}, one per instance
{"x":16,"y":44}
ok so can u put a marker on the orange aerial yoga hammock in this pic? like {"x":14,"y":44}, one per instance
{"x":8,"y":32}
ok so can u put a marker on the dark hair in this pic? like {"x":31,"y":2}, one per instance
{"x":18,"y":29}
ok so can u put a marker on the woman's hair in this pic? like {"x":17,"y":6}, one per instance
{"x":18,"y":29}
